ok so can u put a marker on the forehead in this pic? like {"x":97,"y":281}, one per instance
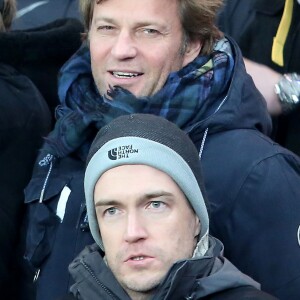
{"x":132,"y":185}
{"x":131,"y":9}
{"x":135,"y":180}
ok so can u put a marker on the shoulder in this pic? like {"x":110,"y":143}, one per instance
{"x":66,"y":175}
{"x":21,"y":101}
{"x":236,"y":9}
{"x":245,"y":150}
{"x":253,"y":166}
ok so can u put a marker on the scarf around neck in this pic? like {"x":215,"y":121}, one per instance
{"x":183,"y":100}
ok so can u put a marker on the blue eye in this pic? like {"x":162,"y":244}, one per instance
{"x":157,"y":205}
{"x":110,"y":211}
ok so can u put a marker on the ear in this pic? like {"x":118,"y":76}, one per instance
{"x":197,"y":226}
{"x":191,"y":52}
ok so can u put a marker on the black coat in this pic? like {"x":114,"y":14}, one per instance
{"x":206,"y":277}
{"x":24,"y":120}
{"x":29,"y":65}
{"x":40,"y":52}
{"x":244,"y":293}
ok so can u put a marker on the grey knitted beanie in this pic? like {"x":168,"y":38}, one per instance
{"x":147,"y":140}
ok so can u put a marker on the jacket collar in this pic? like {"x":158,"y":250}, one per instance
{"x":210,"y":273}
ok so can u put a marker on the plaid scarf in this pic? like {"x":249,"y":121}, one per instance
{"x":183,"y":100}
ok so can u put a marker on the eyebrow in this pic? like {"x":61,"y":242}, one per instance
{"x":106,"y":202}
{"x":105,"y":19}
{"x":148,"y":196}
{"x":138,"y":24}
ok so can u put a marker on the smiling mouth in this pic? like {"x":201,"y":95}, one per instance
{"x":125,"y":74}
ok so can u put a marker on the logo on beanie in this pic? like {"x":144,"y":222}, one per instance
{"x":122,"y":152}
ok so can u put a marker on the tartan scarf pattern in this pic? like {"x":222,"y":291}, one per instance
{"x":183,"y":100}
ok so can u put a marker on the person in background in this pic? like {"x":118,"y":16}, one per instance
{"x":147,"y":213}
{"x":33,"y":13}
{"x":24,"y":120}
{"x":269,"y":36}
{"x":167,"y":58}
{"x":39,"y":52}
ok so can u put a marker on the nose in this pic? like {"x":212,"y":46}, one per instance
{"x":135,"y":229}
{"x":124,"y":46}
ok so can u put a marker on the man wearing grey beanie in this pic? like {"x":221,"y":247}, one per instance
{"x":148,"y":215}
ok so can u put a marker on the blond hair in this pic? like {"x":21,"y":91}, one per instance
{"x":7,"y":13}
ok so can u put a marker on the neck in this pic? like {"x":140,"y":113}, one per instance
{"x":139,"y":296}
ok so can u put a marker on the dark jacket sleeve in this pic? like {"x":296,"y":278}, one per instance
{"x":24,"y":121}
{"x":265,"y":219}
{"x":255,"y":208}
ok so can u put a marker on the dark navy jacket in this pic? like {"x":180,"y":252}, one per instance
{"x":52,"y":241}
{"x":252,"y":184}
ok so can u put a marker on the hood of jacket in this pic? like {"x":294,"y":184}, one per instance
{"x":243,"y":106}
{"x":194,"y":278}
{"x":55,"y":41}
{"x":40,"y":52}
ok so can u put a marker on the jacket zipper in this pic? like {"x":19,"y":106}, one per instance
{"x":97,"y":280}
{"x":206,"y":130}
{"x":47,"y":160}
{"x":82,"y":220}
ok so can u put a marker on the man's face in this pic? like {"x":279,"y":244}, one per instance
{"x":136,"y":44}
{"x":146,"y":225}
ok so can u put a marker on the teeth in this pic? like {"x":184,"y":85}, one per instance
{"x":124,"y":74}
{"x":138,"y":258}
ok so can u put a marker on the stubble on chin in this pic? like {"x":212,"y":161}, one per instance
{"x":140,"y":290}
{"x":142,"y":284}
